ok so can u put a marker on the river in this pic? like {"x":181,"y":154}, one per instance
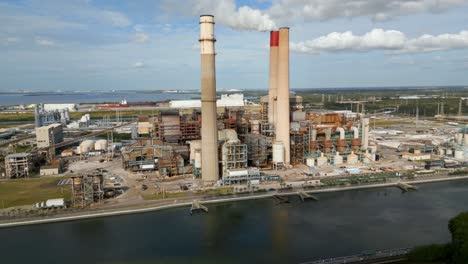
{"x":256,"y":231}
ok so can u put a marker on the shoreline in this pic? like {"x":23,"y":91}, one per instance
{"x":214,"y":201}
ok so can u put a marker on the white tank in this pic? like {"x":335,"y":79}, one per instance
{"x":310,"y":162}
{"x":459,"y":138}
{"x":337,"y":159}
{"x":367,"y":157}
{"x":197,"y":159}
{"x":459,"y":154}
{"x":449,"y":152}
{"x":278,"y":152}
{"x":352,"y":158}
{"x":86,"y":146}
{"x":100,"y":144}
{"x":322,"y":160}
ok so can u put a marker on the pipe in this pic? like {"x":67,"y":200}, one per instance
{"x":273,"y":81}
{"x":209,"y":133}
{"x":356,"y":132}
{"x":314,"y":134}
{"x":328,"y":134}
{"x":365,"y":133}
{"x":282,"y":106}
{"x":342,"y":133}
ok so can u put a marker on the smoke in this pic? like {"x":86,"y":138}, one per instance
{"x":225,"y":12}
{"x":379,"y":39}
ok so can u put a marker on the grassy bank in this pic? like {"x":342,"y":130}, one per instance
{"x":29,"y":191}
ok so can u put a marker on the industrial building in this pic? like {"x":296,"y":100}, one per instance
{"x":44,"y":116}
{"x":50,"y":135}
{"x":18,"y":165}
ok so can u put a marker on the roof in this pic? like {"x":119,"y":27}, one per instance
{"x":18,"y":155}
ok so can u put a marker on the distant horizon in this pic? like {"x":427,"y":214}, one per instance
{"x":430,"y":87}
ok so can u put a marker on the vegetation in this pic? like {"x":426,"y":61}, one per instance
{"x":455,"y":252}
{"x":12,"y":117}
{"x":20,"y":192}
{"x":459,"y":172}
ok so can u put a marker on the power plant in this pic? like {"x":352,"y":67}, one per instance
{"x":238,"y":141}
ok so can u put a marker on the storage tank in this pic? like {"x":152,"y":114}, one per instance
{"x":449,"y":152}
{"x":278,"y":152}
{"x":322,"y":160}
{"x":86,"y":146}
{"x":459,"y":138}
{"x":197,"y":159}
{"x":100,"y":145}
{"x":310,"y":162}
{"x":352,"y":158}
{"x":337,"y":159}
{"x":459,"y":154}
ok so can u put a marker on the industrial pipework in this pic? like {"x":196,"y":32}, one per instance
{"x":209,"y":133}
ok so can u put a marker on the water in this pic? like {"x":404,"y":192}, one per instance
{"x":259,"y":231}
{"x":87,"y":97}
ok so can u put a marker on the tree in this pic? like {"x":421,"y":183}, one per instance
{"x":458,"y":226}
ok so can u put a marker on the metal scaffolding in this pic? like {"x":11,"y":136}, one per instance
{"x":87,"y":189}
{"x":18,"y":165}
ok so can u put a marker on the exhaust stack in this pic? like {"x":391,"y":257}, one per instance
{"x":282,"y":102}
{"x":209,"y":133}
{"x":272,"y":94}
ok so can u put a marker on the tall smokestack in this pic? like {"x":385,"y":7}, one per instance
{"x":272,"y":94}
{"x":282,"y":102}
{"x":209,"y":131}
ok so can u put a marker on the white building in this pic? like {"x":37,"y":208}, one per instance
{"x":50,"y":135}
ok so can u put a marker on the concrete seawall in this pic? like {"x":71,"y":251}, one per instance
{"x":85,"y":215}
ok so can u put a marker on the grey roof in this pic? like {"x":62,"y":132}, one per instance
{"x":18,"y":155}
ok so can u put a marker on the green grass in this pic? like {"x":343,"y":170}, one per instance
{"x":4,"y":117}
{"x":20,"y":192}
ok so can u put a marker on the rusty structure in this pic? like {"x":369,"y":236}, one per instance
{"x":87,"y":189}
{"x":150,"y":155}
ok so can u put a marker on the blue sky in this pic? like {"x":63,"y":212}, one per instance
{"x":147,"y":45}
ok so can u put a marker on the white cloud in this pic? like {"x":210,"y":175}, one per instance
{"x":379,"y":39}
{"x":378,"y":10}
{"x":141,"y":37}
{"x":44,"y":42}
{"x":290,"y":11}
{"x":139,"y":64}
{"x":225,"y":11}
{"x":114,"y":18}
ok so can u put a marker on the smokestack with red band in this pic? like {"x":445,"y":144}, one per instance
{"x":282,"y":102}
{"x":272,"y":94}
{"x":209,"y":133}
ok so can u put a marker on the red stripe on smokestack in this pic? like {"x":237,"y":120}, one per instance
{"x":274,"y":38}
